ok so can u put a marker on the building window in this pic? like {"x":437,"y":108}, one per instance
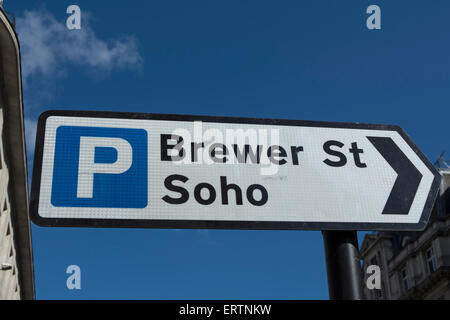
{"x":431,"y":260}
{"x":405,"y":279}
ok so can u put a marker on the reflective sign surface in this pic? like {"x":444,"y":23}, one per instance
{"x":170,"y":171}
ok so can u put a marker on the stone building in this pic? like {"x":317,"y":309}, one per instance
{"x":16,"y":259}
{"x":414,"y":265}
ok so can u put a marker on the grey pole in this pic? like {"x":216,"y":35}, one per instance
{"x":343,"y":265}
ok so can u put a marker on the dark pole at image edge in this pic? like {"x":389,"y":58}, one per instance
{"x":343,"y":265}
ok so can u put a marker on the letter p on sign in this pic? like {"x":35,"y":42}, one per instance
{"x":100,"y":167}
{"x":87,"y":165}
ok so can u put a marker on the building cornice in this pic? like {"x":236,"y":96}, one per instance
{"x":371,"y":241}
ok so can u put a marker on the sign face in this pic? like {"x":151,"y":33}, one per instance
{"x":101,"y":169}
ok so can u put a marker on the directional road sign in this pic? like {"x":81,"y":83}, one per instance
{"x":101,"y":169}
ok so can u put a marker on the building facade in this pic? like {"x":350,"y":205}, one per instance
{"x":413,"y":265}
{"x":16,"y":259}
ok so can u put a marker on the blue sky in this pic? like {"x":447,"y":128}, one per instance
{"x":307,"y":60}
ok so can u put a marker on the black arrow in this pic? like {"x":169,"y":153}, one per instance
{"x":408,"y":179}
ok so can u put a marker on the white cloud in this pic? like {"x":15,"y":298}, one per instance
{"x":30,"y":136}
{"x":48,"y":47}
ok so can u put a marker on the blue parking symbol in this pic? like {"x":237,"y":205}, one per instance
{"x":100,"y":167}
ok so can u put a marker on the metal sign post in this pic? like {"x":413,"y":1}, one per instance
{"x":343,"y":265}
